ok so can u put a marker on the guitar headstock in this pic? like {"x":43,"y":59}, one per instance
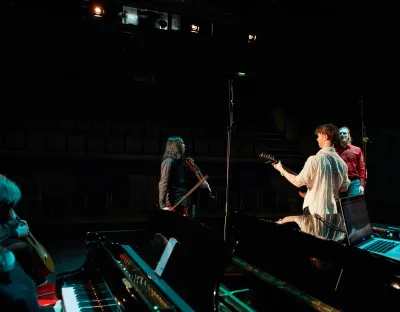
{"x":268,"y":158}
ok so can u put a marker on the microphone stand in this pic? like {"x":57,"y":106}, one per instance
{"x":228,"y":154}
{"x":365,"y":139}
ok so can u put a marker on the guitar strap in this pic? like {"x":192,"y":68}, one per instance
{"x":335,"y":173}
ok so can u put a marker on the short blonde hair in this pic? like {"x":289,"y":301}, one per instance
{"x":7,"y":260}
{"x":10,"y":195}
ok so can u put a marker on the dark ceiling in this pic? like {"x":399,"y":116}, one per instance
{"x":328,"y":48}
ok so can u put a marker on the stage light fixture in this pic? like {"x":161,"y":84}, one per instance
{"x":98,"y":11}
{"x":252,"y":38}
{"x":194,"y":28}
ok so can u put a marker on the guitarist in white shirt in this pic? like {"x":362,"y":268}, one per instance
{"x":325,"y":175}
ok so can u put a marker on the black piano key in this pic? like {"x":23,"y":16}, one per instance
{"x":114,"y":308}
{"x":83,"y":304}
{"x":93,"y":292}
{"x":82,"y":297}
{"x":90,"y":288}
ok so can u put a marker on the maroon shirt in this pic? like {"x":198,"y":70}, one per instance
{"x":353,"y":157}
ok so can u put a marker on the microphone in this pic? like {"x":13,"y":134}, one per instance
{"x":327,"y":223}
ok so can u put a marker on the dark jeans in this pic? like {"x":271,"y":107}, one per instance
{"x":354,"y":189}
{"x":26,"y":257}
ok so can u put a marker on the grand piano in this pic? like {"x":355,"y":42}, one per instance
{"x":172,"y":264}
{"x":277,"y":267}
{"x":176,"y":263}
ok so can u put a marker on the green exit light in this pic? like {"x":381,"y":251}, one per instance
{"x":241,"y":74}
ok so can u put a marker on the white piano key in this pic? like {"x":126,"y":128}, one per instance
{"x":70,"y":302}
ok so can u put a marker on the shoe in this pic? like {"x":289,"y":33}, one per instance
{"x":42,"y":282}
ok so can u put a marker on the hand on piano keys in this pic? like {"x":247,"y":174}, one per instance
{"x":58,"y":307}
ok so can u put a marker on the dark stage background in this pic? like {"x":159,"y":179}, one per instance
{"x":88,"y":104}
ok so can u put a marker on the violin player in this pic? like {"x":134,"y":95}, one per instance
{"x":12,"y":231}
{"x":175,"y":176}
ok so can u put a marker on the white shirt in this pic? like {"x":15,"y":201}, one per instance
{"x":322,"y":181}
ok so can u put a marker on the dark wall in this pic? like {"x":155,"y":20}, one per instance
{"x":90,"y":109}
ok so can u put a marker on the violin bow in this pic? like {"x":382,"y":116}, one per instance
{"x":191,"y":191}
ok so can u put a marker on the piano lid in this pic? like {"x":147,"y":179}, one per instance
{"x":191,"y":269}
{"x":161,"y":284}
{"x":197,"y":261}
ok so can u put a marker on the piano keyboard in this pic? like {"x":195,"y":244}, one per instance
{"x":87,"y":298}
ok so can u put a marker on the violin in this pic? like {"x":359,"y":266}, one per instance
{"x":190,"y":164}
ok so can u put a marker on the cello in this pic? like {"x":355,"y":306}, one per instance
{"x":190,"y":164}
{"x":48,"y":264}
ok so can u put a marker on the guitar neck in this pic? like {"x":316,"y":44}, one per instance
{"x":290,"y":171}
{"x":270,"y":159}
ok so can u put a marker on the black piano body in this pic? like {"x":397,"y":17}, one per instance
{"x":275,"y":268}
{"x":263,"y":267}
{"x":136,"y":270}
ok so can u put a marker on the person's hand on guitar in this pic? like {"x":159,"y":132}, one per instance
{"x":205,"y":185}
{"x":278,"y":166}
{"x":23,"y":230}
{"x":23,"y":222}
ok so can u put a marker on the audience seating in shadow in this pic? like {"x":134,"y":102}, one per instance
{"x":201,"y":147}
{"x":14,"y":141}
{"x":133,"y":145}
{"x":76,"y":143}
{"x":35,"y":142}
{"x":96,"y":144}
{"x":115,"y":144}
{"x":56,"y":142}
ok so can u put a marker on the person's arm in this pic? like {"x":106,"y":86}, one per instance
{"x":8,"y":230}
{"x":164,"y":180}
{"x":287,"y":219}
{"x":304,"y":177}
{"x":32,"y":305}
{"x":346,"y":181}
{"x":290,"y":177}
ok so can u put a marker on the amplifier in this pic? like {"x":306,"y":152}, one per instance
{"x":387,"y":231}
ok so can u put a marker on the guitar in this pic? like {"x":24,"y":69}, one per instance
{"x":271,"y":159}
{"x":48,"y":262}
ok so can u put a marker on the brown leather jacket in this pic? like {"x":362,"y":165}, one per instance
{"x":172,"y":186}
